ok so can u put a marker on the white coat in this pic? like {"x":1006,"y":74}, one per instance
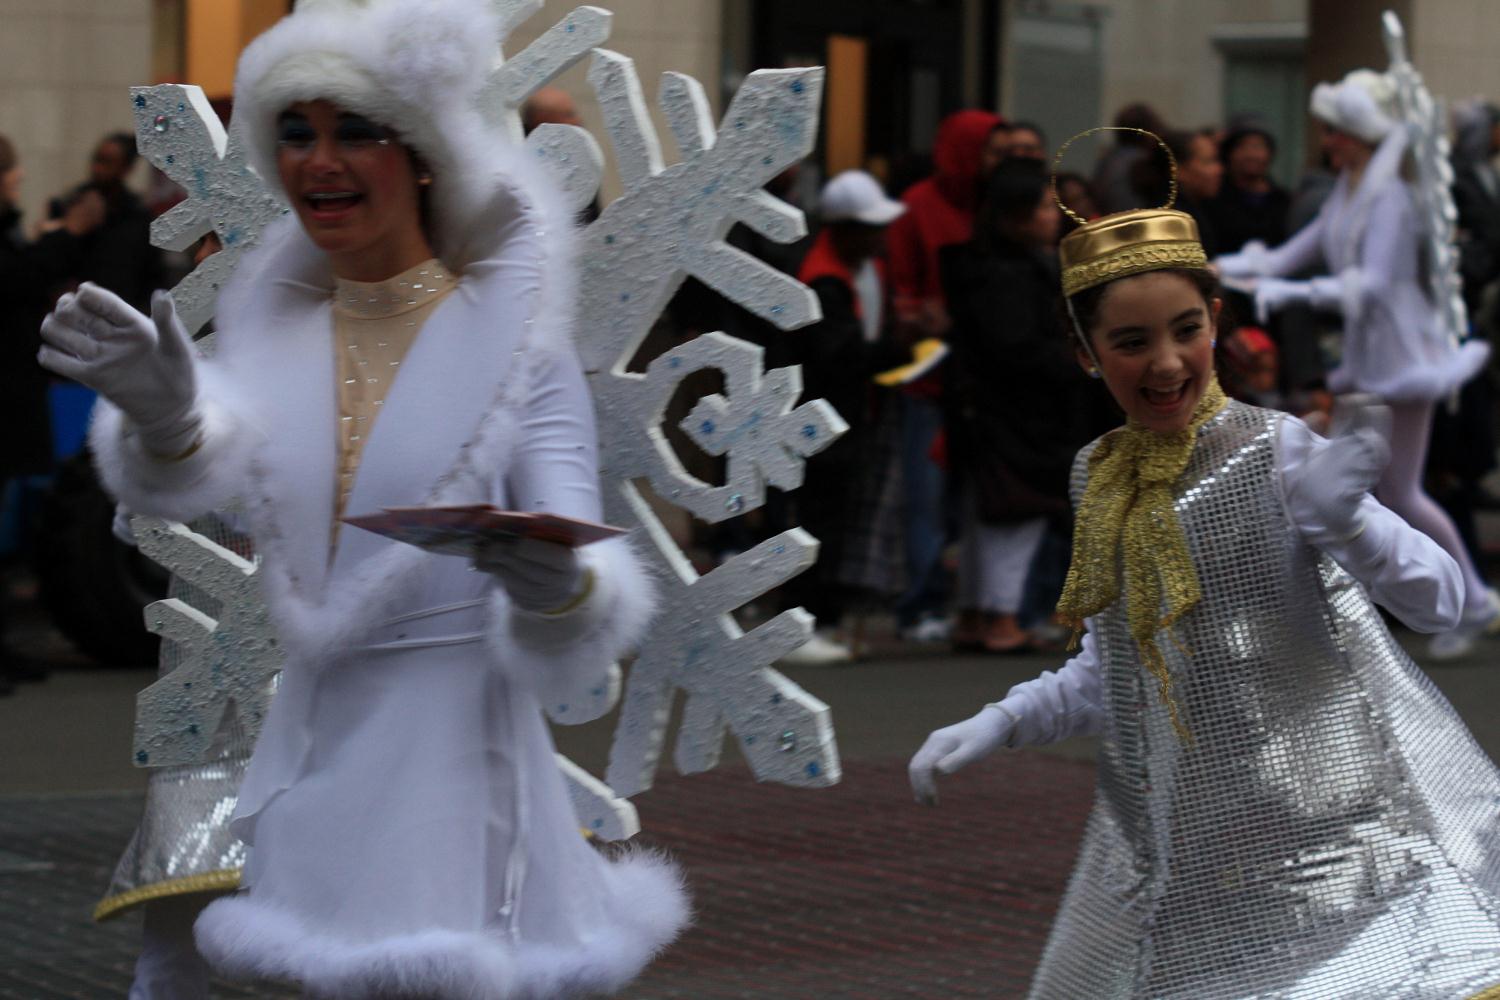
{"x":409,"y":829}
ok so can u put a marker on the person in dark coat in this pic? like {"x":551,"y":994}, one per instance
{"x":1199,"y":176}
{"x":27,"y":270}
{"x":118,"y":255}
{"x":1017,"y":406}
{"x":839,"y":356}
{"x":1250,"y":204}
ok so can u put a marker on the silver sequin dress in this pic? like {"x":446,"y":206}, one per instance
{"x":1333,"y":833}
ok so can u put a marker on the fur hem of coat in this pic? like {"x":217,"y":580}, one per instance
{"x":649,"y":908}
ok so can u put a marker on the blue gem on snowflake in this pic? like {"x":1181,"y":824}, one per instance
{"x":140,"y":100}
{"x":809,"y":431}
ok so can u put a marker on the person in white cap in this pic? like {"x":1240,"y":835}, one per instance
{"x":1394,"y":346}
{"x":838,"y":355}
{"x":400,"y":338}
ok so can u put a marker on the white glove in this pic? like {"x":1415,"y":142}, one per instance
{"x":1248,"y":263}
{"x":1342,"y":468}
{"x":143,"y":365}
{"x":1274,"y":294}
{"x":957,"y":746}
{"x":540,"y":577}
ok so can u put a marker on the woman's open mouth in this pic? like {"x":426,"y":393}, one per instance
{"x":1166,"y":400}
{"x":330,"y":205}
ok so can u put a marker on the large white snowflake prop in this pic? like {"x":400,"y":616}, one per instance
{"x":670,"y":223}
{"x":1427,"y":135}
{"x":226,"y":663}
{"x":178,"y":131}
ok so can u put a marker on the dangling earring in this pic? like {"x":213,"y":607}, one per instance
{"x":1095,"y":373}
{"x":424,"y":180}
{"x":1214,"y":342}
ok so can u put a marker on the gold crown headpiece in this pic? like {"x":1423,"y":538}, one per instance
{"x":1126,"y":243}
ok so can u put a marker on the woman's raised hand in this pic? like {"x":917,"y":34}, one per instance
{"x":142,"y":364}
{"x":957,"y":746}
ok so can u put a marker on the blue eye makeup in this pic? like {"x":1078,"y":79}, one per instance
{"x":294,"y":132}
{"x":360,"y":132}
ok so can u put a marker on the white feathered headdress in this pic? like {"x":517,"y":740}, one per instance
{"x":415,"y":66}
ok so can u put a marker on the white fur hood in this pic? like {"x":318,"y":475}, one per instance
{"x":415,"y":66}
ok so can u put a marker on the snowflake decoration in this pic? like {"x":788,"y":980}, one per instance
{"x":227,"y":663}
{"x":671,"y":223}
{"x":179,"y":132}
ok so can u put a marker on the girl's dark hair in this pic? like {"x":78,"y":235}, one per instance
{"x":1011,"y":194}
{"x":7,"y":155}
{"x":1086,"y":302}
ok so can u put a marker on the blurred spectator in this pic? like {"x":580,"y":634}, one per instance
{"x":1462,"y":449}
{"x":555,"y":106}
{"x":1113,"y":175}
{"x":1199,"y":177}
{"x":118,"y":255}
{"x":839,"y":355}
{"x":1027,"y":142}
{"x":1017,"y":406}
{"x":1250,"y":367}
{"x":940,"y":213}
{"x":1074,"y":191}
{"x":996,"y":149}
{"x":27,"y":271}
{"x":1476,"y":195}
{"x":1249,"y":205}
{"x":549,"y":106}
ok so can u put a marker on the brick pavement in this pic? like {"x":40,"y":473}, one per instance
{"x":850,"y":893}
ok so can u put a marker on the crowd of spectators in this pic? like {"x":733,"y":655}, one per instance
{"x":982,"y":442}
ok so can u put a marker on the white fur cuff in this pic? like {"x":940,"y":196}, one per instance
{"x":176,"y":490}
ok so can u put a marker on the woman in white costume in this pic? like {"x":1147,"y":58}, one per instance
{"x":1394,"y":346}
{"x":401,"y":339}
{"x":1286,"y":806}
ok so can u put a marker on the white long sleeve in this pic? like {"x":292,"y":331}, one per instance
{"x":1403,"y":570}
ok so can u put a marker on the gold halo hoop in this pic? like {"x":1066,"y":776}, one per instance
{"x":1063,"y":149}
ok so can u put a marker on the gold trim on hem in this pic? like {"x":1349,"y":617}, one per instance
{"x":1493,"y":993}
{"x":225,"y":880}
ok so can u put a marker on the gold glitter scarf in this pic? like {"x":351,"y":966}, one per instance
{"x":1128,"y":504}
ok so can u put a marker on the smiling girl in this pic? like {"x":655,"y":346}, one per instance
{"x":1286,"y":806}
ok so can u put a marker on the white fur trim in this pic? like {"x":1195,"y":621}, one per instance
{"x":648,"y":907}
{"x":178,"y":491}
{"x":569,"y":660}
{"x":416,"y":66}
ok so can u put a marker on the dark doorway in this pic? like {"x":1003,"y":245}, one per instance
{"x":912,"y":68}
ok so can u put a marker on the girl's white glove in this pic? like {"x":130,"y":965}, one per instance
{"x":1342,"y":468}
{"x":1274,"y":294}
{"x":1250,"y":262}
{"x":957,"y":746}
{"x":540,"y":577}
{"x":142,"y":364}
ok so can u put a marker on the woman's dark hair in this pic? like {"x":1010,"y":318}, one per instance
{"x":1011,"y":194}
{"x":7,"y":155}
{"x":1086,"y":303}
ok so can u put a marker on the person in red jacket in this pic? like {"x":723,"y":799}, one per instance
{"x":940,"y":212}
